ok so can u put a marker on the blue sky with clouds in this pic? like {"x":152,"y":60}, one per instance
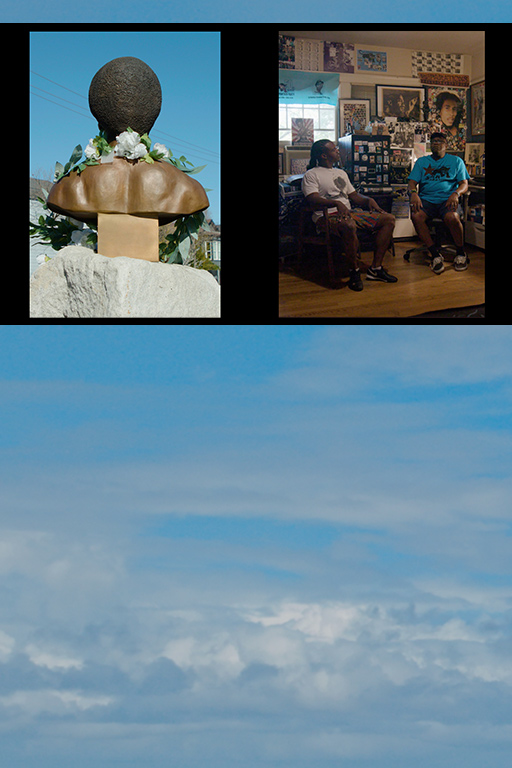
{"x":187,"y":64}
{"x":277,"y":546}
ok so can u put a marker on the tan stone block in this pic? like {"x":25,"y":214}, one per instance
{"x":122,"y":234}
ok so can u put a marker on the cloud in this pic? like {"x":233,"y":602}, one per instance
{"x":341,"y":361}
{"x":57,"y":703}
{"x":242,"y":665}
{"x":310,"y":565}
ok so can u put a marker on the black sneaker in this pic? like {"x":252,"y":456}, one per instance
{"x":460,"y":262}
{"x":354,"y":281}
{"x":380,"y":274}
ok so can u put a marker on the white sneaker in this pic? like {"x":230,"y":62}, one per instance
{"x":437,"y":264}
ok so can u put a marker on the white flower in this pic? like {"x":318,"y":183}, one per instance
{"x":162,"y":149}
{"x":91,"y":151}
{"x":139,"y":151}
{"x":130,"y":146}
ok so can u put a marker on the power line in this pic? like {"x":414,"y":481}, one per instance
{"x":175,"y":138}
{"x":57,"y":97}
{"x":182,"y":141}
{"x":191,"y":152}
{"x":90,"y":117}
{"x":60,"y":86}
{"x":61,"y":105}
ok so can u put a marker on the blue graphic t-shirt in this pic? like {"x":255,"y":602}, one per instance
{"x":437,"y":179}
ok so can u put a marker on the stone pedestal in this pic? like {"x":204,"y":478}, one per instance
{"x":120,"y":234}
{"x":79,"y":283}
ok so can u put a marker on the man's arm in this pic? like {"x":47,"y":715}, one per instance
{"x":414,"y":198}
{"x":453,"y":201}
{"x":315,"y":201}
{"x":365,"y":202}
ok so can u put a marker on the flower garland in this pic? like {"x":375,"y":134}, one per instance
{"x":132,"y":146}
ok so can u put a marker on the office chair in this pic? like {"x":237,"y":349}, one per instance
{"x":439,"y":232}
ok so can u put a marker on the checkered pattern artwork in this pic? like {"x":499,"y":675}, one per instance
{"x":425,"y":61}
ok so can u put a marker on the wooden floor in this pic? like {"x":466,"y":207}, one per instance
{"x":304,"y":291}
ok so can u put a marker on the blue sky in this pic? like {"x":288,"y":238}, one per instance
{"x":291,"y":544}
{"x":204,"y":11}
{"x":187,"y":65}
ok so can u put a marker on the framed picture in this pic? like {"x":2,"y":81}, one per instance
{"x":302,"y":131}
{"x":478,"y":109}
{"x":372,"y":61}
{"x":354,"y":115}
{"x":400,"y":101}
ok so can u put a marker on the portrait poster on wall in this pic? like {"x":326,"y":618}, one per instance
{"x":302,"y":131}
{"x":447,"y":114}
{"x":400,"y":101}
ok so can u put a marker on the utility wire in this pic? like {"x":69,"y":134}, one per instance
{"x":61,"y":105}
{"x":182,"y":141}
{"x":175,"y":138}
{"x":90,"y":117}
{"x":57,"y":97}
{"x":60,"y":86}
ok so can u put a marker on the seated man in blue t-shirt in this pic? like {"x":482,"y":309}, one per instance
{"x":442,"y":179}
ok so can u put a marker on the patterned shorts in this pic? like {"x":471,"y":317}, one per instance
{"x":363,"y":220}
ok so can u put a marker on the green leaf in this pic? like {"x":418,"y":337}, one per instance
{"x":146,"y":141}
{"x":75,"y":155}
{"x":185,"y":247}
{"x":194,"y":170}
{"x":102,"y":145}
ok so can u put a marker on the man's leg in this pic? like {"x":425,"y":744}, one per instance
{"x":344,"y":231}
{"x":347,"y":232}
{"x":454,"y":224}
{"x":383,"y":233}
{"x":419,"y":219}
{"x":381,"y":226}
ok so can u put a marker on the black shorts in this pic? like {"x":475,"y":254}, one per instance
{"x":437,"y":210}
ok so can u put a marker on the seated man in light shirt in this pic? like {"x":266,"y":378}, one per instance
{"x":441,"y":179}
{"x":325,"y":186}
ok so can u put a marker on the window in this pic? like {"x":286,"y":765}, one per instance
{"x":324,"y":117}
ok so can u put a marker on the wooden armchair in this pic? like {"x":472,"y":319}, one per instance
{"x":308,"y":234}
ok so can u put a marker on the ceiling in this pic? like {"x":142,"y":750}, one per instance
{"x":470,"y":43}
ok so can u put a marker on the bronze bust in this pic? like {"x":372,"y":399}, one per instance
{"x":126,"y":93}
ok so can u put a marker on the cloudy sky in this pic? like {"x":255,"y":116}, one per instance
{"x":271,"y":547}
